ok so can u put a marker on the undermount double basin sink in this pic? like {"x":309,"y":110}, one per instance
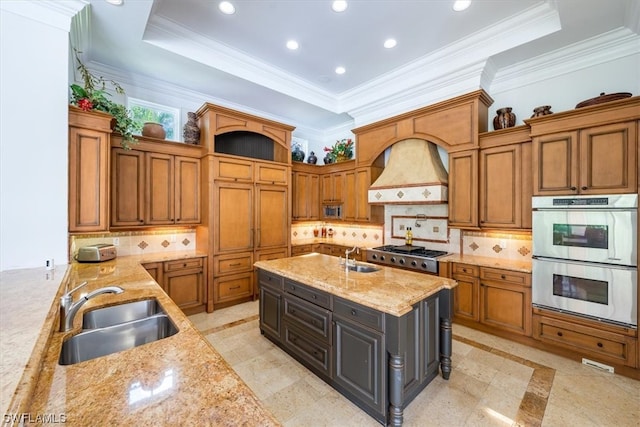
{"x":117,"y":328}
{"x":359,"y":268}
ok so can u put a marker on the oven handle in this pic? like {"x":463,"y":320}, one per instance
{"x":584,"y":263}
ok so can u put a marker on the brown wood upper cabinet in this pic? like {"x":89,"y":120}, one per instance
{"x":463,"y":189}
{"x":591,"y":150}
{"x":333,"y":187}
{"x":155,"y":184}
{"x":305,"y":195}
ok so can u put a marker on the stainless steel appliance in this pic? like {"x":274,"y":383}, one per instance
{"x":409,"y":257}
{"x":332,"y":211}
{"x":585,"y":256}
{"x":96,"y":253}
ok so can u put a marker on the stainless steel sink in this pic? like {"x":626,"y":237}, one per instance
{"x":121,"y":313}
{"x":93,"y":343}
{"x":363,"y":268}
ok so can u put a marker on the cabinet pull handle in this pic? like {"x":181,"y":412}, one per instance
{"x":293,"y":288}
{"x":235,"y":287}
{"x":353,"y":312}
{"x":584,"y":188}
{"x":235,"y":264}
{"x":559,"y":334}
{"x":573,"y":188}
{"x":600,"y":345}
{"x":503,"y":276}
{"x":184,"y":265}
{"x":314,"y":296}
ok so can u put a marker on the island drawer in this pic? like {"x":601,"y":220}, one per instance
{"x":364,"y":315}
{"x":309,"y":317}
{"x":314,"y":296}
{"x":270,"y":279}
{"x":317,"y":355}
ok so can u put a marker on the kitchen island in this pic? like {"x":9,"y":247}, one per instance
{"x":179,"y":380}
{"x":377,"y":337}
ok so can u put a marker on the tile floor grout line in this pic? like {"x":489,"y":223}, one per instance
{"x":215,"y":329}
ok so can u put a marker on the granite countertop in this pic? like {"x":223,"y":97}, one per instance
{"x":506,"y":264}
{"x":179,"y":380}
{"x":389,"y":290}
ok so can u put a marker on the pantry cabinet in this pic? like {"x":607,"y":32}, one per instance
{"x":89,"y":145}
{"x":590,"y":150}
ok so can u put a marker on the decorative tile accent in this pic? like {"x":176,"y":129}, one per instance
{"x":165,"y":243}
{"x":143,"y":245}
{"x":400,"y":194}
{"x":295,"y":234}
{"x":474,"y":246}
{"x":376,"y":236}
{"x":426,"y":193}
{"x":364,"y":235}
{"x":186,"y":242}
{"x":353,"y":234}
{"x":523,"y":251}
{"x":305,"y":232}
{"x":497,"y":249}
{"x":378,"y":195}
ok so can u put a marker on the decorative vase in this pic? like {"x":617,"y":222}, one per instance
{"x":543,"y":110}
{"x":191,"y":131}
{"x":504,"y":119}
{"x":153,"y":130}
{"x":297,"y":155}
{"x":327,"y":159}
{"x":312,"y":160}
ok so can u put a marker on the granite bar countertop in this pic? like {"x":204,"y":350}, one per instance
{"x":179,"y":380}
{"x":506,"y":264}
{"x":389,"y":290}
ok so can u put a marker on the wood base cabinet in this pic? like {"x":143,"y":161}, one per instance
{"x":184,"y":280}
{"x":466,"y":296}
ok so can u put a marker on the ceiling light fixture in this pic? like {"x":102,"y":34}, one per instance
{"x":339,"y":6}
{"x":340,"y":70}
{"x":460,"y":5}
{"x":227,"y":8}
{"x":292,"y":45}
{"x":390,"y":43}
{"x":115,"y":2}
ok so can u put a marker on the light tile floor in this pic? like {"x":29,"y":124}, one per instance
{"x":494,"y":382}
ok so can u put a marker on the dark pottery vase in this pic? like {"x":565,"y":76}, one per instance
{"x":191,"y":131}
{"x":504,"y":119}
{"x":312,"y":160}
{"x":297,"y":155}
{"x":327,"y":159}
{"x":153,"y":130}
{"x":543,"y":110}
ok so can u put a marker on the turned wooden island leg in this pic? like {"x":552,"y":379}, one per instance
{"x":396,"y":386}
{"x":446,"y":332}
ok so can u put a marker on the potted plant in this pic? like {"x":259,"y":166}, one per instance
{"x":341,"y":150}
{"x":94,"y":96}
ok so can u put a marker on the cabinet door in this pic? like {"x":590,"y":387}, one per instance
{"x":233,"y":227}
{"x":306,"y":193}
{"x":360,"y":364}
{"x":332,"y":187}
{"x":127,"y":187}
{"x":506,"y":306}
{"x":268,"y":173}
{"x":271,"y":311}
{"x":88,"y":180}
{"x":466,"y":297}
{"x":231,"y":169}
{"x":500,"y":186}
{"x":155,"y":271}
{"x":363,"y":209}
{"x":159,"y":189}
{"x":463,"y":189}
{"x":608,"y":159}
{"x":187,"y":190}
{"x":272,"y":216}
{"x":313,"y":196}
{"x":555,"y":164}
{"x":350,"y":206}
{"x":186,"y":288}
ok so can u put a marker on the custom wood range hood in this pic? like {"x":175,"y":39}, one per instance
{"x":414,"y":174}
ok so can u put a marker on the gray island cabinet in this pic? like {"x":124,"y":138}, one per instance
{"x":378,"y":338}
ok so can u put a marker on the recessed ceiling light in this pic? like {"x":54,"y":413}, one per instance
{"x":339,"y":6}
{"x":460,"y":5}
{"x":292,"y":44}
{"x":115,"y":2}
{"x":227,"y":8}
{"x":340,"y":70}
{"x":389,"y":43}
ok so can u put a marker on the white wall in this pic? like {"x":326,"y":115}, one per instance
{"x":33,"y":141}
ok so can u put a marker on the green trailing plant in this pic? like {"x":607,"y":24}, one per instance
{"x":94,"y":96}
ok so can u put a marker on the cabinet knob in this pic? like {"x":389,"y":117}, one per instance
{"x":559,"y":334}
{"x":141,"y":221}
{"x":573,"y":188}
{"x":584,"y":188}
{"x":314,"y":296}
{"x":184,"y":265}
{"x":600,"y":345}
{"x":353,"y":312}
{"x":503,"y":276}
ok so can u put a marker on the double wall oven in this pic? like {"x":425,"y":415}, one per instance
{"x":585,"y":256}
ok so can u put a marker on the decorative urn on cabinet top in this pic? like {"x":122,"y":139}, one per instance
{"x":153,"y":130}
{"x":504,"y":118}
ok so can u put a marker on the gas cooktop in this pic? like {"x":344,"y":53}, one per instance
{"x":411,"y":250}
{"x":409,"y":257}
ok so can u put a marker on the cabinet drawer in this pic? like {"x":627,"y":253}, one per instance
{"x":271,"y":174}
{"x":309,"y":317}
{"x":183,"y":264}
{"x":468,"y":269}
{"x":232,"y":287}
{"x":314,"y":296}
{"x":232,"y":263}
{"x":364,"y":315}
{"x":232,"y":169}
{"x":515,"y":277}
{"x":601,"y":344}
{"x":301,"y":249}
{"x":314,"y":353}
{"x":270,"y":279}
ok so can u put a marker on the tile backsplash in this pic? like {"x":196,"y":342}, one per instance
{"x":497,"y":245}
{"x":356,"y":234}
{"x":139,"y":242}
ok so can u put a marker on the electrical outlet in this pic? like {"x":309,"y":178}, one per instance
{"x":503,"y":244}
{"x":48,"y":264}
{"x":436,"y":229}
{"x":173,"y":238}
{"x":116,"y":241}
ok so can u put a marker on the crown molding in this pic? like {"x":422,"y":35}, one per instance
{"x":57,"y":14}
{"x":597,"y":50}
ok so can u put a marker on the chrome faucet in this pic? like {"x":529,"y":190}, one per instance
{"x":346,"y":255}
{"x":68,"y":308}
